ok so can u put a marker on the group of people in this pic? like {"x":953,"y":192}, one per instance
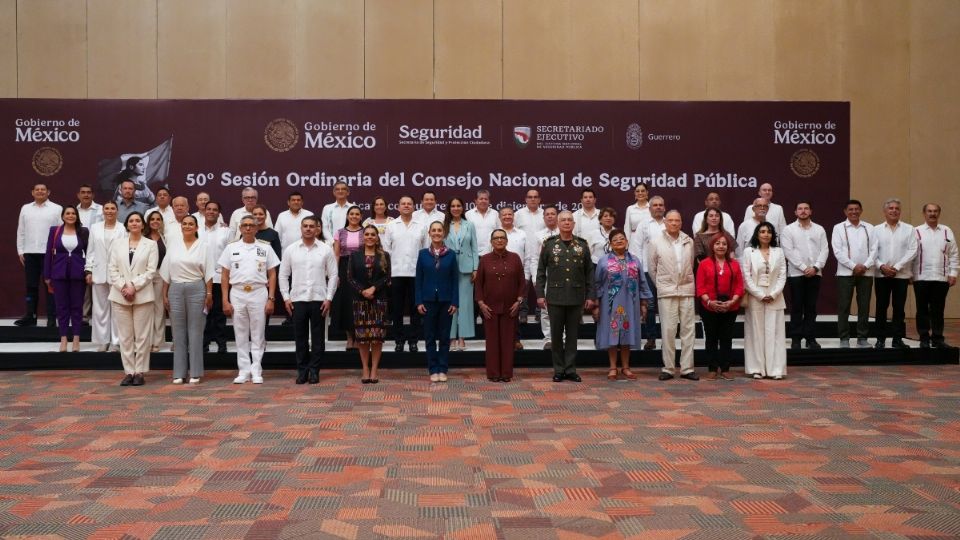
{"x":427,"y":274}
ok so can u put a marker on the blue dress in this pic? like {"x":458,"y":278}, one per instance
{"x":463,"y":243}
{"x":620,"y":287}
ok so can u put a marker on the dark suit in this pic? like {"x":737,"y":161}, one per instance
{"x":65,"y":272}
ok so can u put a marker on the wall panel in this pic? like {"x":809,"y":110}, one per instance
{"x":260,"y":49}
{"x":398,"y":49}
{"x":739,"y":37}
{"x":807,"y":49}
{"x":8,"y":48}
{"x":52,"y":48}
{"x":468,"y":46}
{"x":191,"y":48}
{"x":672,"y":51}
{"x":534,"y":42}
{"x":122,"y":48}
{"x":329,"y":49}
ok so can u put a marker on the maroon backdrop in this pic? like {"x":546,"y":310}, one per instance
{"x":681,"y":150}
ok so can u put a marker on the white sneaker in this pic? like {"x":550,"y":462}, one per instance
{"x":434,"y":377}
{"x":442,"y":377}
{"x":240,"y":379}
{"x":178,"y":381}
{"x":194,"y":380}
{"x":258,"y":380}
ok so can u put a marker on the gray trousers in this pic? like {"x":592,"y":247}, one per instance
{"x":187,"y":319}
{"x":564,"y":319}
{"x":846,"y":285}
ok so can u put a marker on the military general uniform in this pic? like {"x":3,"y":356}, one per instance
{"x":565,"y":280}
{"x":248,"y":265}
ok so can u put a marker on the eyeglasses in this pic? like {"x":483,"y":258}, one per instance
{"x":499,"y":238}
{"x":248,"y":225}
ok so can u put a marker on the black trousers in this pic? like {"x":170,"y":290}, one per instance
{"x":650,"y":328}
{"x":931,"y":300}
{"x":886,"y":288}
{"x":215,"y":328}
{"x":401,"y":300}
{"x":33,"y":276}
{"x":718,"y":334}
{"x":308,"y":322}
{"x":804,"y":292}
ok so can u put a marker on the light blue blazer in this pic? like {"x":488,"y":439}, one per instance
{"x":465,"y":246}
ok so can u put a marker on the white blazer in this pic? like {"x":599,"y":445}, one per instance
{"x":140,"y":272}
{"x":753,"y":265}
{"x":98,"y":250}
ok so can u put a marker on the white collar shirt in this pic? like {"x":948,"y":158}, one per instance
{"x":34,"y":224}
{"x":598,"y":242}
{"x":216,"y":238}
{"x":937,"y":254}
{"x":314,"y":272}
{"x":484,"y":225}
{"x":853,"y":245}
{"x":288,"y":226}
{"x":634,"y":216}
{"x":897,"y":247}
{"x":519,"y":242}
{"x":804,"y":247}
{"x":403,"y":241}
{"x":536,"y":245}
{"x":728,"y":224}
{"x":237,"y":215}
{"x":248,"y":263}
{"x":201,"y":218}
{"x":678,"y":250}
{"x":640,"y":239}
{"x":744,"y":234}
{"x":526,"y":220}
{"x":91,"y":214}
{"x":584,"y":224}
{"x":428,"y":217}
{"x":774,"y":215}
{"x":333,"y":217}
{"x":188,"y":265}
{"x":167,"y":213}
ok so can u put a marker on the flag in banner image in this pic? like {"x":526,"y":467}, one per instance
{"x":144,"y":169}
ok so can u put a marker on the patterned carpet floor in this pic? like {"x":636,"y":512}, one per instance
{"x":842,"y":453}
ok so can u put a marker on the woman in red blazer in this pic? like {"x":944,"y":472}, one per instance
{"x":63,"y":273}
{"x":720,"y":288}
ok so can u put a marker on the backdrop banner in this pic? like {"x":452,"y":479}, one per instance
{"x":680,"y":150}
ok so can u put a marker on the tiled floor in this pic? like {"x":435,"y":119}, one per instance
{"x":846,"y":452}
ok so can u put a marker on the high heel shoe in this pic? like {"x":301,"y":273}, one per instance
{"x":63,"y":346}
{"x":76,"y":346}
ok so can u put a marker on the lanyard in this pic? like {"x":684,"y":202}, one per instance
{"x":943,"y":253}
{"x":847,"y":237}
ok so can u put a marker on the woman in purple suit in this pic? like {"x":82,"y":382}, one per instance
{"x":63,"y":272}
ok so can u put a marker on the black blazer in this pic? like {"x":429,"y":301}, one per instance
{"x":357,"y":274}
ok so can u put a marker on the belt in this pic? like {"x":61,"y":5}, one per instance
{"x":247,"y":287}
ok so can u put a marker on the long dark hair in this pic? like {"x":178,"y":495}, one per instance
{"x":706,"y":213}
{"x":755,"y":239}
{"x":378,"y":249}
{"x":196,"y":233}
{"x":448,"y":217}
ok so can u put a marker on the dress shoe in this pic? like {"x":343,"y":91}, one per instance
{"x":878,"y":345}
{"x":442,"y":377}
{"x":505,"y":379}
{"x":364,"y":381}
{"x":899,"y":344}
{"x":757,"y":376}
{"x":374,"y":381}
{"x":178,"y":380}
{"x":778,"y":377}
{"x":664,"y":376}
{"x":287,"y":322}
{"x":194,"y":380}
{"x":725,"y":375}
{"x":573,"y":377}
{"x":942,"y":345}
{"x":925,"y":344}
{"x":26,"y":320}
{"x":222,"y":347}
{"x":692,"y":376}
{"x":434,"y":377}
{"x":51,"y":323}
{"x":137,"y":380}
{"x":412,"y":347}
{"x":127,"y":380}
{"x":314,"y":378}
{"x":795,"y":344}
{"x":256,"y":380}
{"x":627,"y":374}
{"x":398,"y":347}
{"x":557,"y":377}
{"x":650,"y":345}
{"x":517,"y":346}
{"x":862,"y":343}
{"x":812,"y":344}
{"x":241,"y":379}
{"x":844,"y":343}
{"x":547,"y":346}
{"x":302,"y":378}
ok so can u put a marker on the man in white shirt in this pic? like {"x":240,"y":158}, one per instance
{"x":216,"y":234}
{"x":518,"y":242}
{"x":201,"y":201}
{"x":333,"y":217}
{"x":774,"y":214}
{"x":855,"y":248}
{"x":33,"y":228}
{"x":249,"y":196}
{"x":88,"y":210}
{"x":248,"y":280}
{"x":171,"y":230}
{"x":587,"y":218}
{"x":312,"y":269}
{"x":530,"y":217}
{"x":288,"y":221}
{"x":484,"y":219}
{"x":550,"y":228}
{"x":761,"y":207}
{"x":639,"y":244}
{"x":713,"y":201}
{"x":896,"y":249}
{"x":428,"y":213}
{"x":403,"y":239}
{"x":806,"y":249}
{"x":934,"y":271}
{"x":163,"y":205}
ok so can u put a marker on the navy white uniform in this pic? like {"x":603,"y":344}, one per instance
{"x":248,"y":264}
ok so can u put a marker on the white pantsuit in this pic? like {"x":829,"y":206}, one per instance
{"x":134,"y":318}
{"x":103,"y":329}
{"x":134,"y":344}
{"x":765,"y":342}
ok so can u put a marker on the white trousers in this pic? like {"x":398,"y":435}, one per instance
{"x":103,"y":327}
{"x":677,"y":310}
{"x":159,"y":319}
{"x":764,"y":340}
{"x":249,"y":322}
{"x":135,"y":328}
